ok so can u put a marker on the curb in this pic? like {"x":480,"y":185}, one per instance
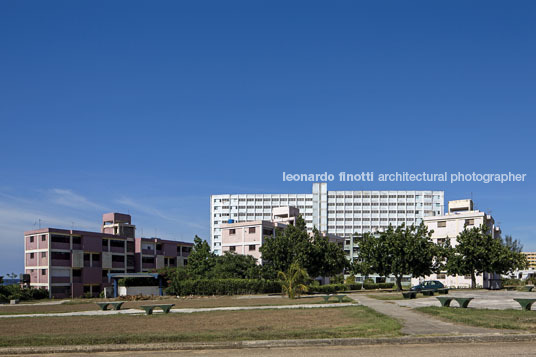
{"x":270,"y":344}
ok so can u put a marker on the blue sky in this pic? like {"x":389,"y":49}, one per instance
{"x":150,"y":107}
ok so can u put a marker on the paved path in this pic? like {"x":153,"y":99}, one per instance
{"x":482,"y":299}
{"x":183,"y":311}
{"x":414,"y":323}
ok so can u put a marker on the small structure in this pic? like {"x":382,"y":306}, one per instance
{"x":115,"y":277}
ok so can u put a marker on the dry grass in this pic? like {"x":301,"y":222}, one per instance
{"x":187,"y":302}
{"x":355,"y":321}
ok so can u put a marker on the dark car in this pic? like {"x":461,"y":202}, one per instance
{"x":428,"y":285}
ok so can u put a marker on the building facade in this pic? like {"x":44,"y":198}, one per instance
{"x":248,"y":237}
{"x":461,"y":214}
{"x":340,"y":213}
{"x":72,"y":263}
{"x":531,"y":259}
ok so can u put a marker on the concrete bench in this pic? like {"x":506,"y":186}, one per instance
{"x":443,"y":291}
{"x":526,"y":304}
{"x":463,"y":302}
{"x":339,"y":297}
{"x":149,"y":308}
{"x":510,"y":288}
{"x":445,"y":301}
{"x":427,"y":292}
{"x":115,"y":305}
{"x":409,"y":294}
{"x":527,"y":288}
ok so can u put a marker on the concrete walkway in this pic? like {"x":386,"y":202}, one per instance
{"x":414,"y":323}
{"x":180,"y":311}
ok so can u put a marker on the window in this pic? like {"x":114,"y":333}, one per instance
{"x":117,"y":243}
{"x":441,"y":224}
{"x":469,"y":222}
{"x":43,"y":272}
{"x":31,"y":239}
{"x":43,"y":254}
{"x":232,"y":231}
{"x":77,"y":240}
{"x":43,"y":238}
{"x":146,"y":260}
{"x":32,"y":255}
{"x":252,"y":247}
{"x":251,"y":230}
{"x":77,"y":272}
{"x":232,"y":248}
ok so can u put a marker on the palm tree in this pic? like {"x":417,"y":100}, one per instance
{"x":293,"y":281}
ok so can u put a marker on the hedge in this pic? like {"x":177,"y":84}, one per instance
{"x":370,"y":286}
{"x":333,"y":288}
{"x":223,"y":287}
{"x":15,"y":292}
{"x":138,"y":282}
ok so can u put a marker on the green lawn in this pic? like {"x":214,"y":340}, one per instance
{"x":501,"y":319}
{"x":355,"y":321}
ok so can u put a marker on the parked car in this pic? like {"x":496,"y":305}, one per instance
{"x":428,"y":285}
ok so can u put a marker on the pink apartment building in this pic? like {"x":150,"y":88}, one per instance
{"x":71,"y":263}
{"x":248,"y":237}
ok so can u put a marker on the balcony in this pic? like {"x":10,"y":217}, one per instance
{"x":60,"y":245}
{"x":147,"y":251}
{"x":60,"y":262}
{"x":118,"y":264}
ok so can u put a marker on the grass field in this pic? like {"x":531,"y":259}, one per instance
{"x":501,"y":319}
{"x":188,"y":302}
{"x":355,"y":321}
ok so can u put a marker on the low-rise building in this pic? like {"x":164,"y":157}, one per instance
{"x":248,"y":237}
{"x":461,"y":214}
{"x":72,"y":263}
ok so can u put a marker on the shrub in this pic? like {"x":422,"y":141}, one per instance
{"x":334,"y":288}
{"x":222,"y":287}
{"x":378,"y":285}
{"x":138,"y":282}
{"x":15,"y":292}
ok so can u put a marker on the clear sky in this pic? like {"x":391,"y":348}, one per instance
{"x":149,"y":107}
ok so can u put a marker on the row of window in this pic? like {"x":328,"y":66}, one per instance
{"x":443,"y":224}
{"x":272,"y":199}
{"x":251,"y":247}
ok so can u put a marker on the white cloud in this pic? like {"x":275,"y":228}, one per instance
{"x":69,"y":198}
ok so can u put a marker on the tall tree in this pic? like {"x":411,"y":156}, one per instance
{"x":201,"y":260}
{"x":237,"y":266}
{"x":477,"y":252}
{"x":314,"y":252}
{"x":405,"y":250}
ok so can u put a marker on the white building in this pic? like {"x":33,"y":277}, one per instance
{"x":460,"y":214}
{"x":341,"y":213}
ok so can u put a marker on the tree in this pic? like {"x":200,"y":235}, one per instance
{"x":314,"y":252}
{"x":399,"y":251}
{"x":231,"y":265}
{"x":477,"y":252}
{"x":201,"y":260}
{"x":513,"y":244}
{"x":293,"y":282}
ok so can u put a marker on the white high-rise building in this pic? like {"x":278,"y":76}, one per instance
{"x":342,"y":213}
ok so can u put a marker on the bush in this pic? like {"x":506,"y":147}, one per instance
{"x":370,"y":286}
{"x":334,"y":288}
{"x":223,"y":287}
{"x":15,"y":292}
{"x":138,"y":282}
